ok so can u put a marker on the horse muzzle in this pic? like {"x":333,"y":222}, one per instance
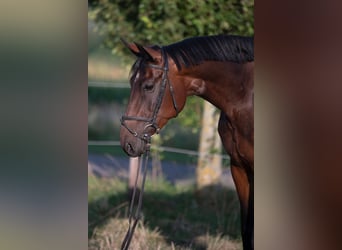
{"x":135,"y":144}
{"x":133,"y":147}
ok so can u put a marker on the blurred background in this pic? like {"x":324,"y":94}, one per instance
{"x":190,"y":198}
{"x":46,"y":197}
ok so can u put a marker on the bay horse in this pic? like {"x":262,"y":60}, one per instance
{"x":219,"y":69}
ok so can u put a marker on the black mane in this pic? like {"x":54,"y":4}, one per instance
{"x":195,"y":50}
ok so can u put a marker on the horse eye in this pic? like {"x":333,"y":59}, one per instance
{"x":149,"y":86}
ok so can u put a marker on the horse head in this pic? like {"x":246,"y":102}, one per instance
{"x":156,"y":96}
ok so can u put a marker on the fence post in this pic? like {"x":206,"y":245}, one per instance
{"x":133,"y":172}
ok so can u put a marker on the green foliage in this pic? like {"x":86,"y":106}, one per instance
{"x":190,"y":116}
{"x":167,"y":21}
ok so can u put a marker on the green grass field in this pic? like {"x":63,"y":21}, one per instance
{"x":173,"y":217}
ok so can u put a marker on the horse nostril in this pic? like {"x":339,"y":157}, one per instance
{"x":129,"y":148}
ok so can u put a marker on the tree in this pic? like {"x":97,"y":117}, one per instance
{"x":167,"y":21}
{"x":209,"y":165}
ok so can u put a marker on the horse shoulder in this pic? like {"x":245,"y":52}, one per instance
{"x":237,"y":135}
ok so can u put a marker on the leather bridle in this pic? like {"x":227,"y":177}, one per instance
{"x":152,"y":122}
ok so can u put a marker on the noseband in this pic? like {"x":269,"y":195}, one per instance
{"x":152,"y":122}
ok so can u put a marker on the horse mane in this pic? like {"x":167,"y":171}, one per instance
{"x":193,"y":51}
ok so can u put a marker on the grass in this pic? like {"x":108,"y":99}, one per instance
{"x":173,"y":217}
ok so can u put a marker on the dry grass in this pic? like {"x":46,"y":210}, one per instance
{"x":110,"y":236}
{"x":172,"y":218}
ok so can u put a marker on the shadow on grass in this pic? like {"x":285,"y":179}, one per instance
{"x":179,"y":215}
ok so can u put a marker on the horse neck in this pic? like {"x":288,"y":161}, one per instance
{"x":226,"y":85}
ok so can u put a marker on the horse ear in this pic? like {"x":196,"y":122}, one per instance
{"x":144,"y":53}
{"x":131,"y":46}
{"x":138,"y":50}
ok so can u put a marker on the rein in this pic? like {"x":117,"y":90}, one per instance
{"x":137,"y":215}
{"x":152,"y":122}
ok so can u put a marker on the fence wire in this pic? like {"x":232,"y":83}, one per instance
{"x":162,"y":148}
